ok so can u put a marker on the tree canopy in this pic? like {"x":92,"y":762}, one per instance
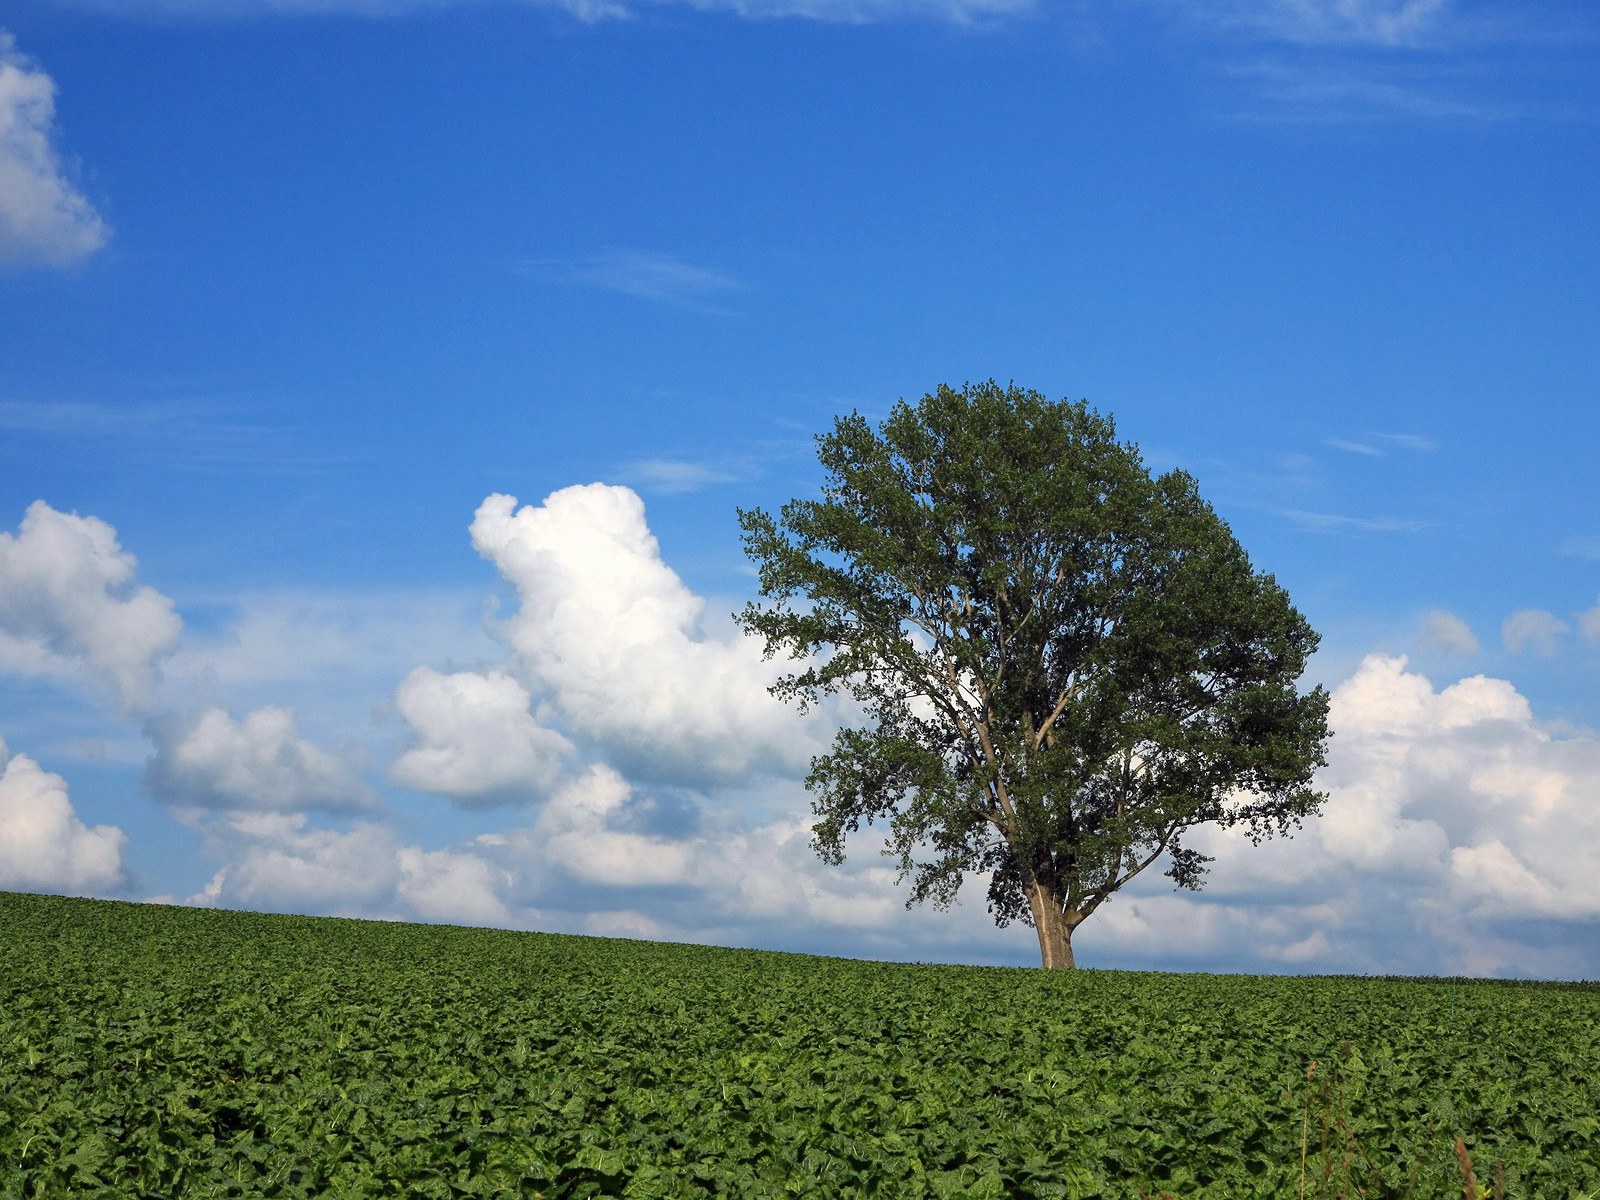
{"x":1066,"y":664}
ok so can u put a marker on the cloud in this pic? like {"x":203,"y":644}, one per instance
{"x":1384,"y":701}
{"x":43,"y":845}
{"x":1326,"y":92}
{"x":280,"y":864}
{"x":1384,"y":23}
{"x":609,"y":635}
{"x":180,"y":436}
{"x":590,"y":863}
{"x":1367,"y":61}
{"x":1581,"y":547}
{"x":1589,"y":622}
{"x":278,"y":861}
{"x":644,"y":274}
{"x":344,"y":645}
{"x":1415,"y":442}
{"x":259,"y":763}
{"x":1320,"y":522}
{"x":1469,"y":768}
{"x":674,"y":476}
{"x":960,"y":12}
{"x":69,"y":607}
{"x":1446,"y":631}
{"x":43,"y":218}
{"x":1532,"y":629}
{"x":1399,"y":441}
{"x":444,"y":885}
{"x":859,"y":12}
{"x":1350,"y":447}
{"x":1454,"y":823}
{"x":576,"y":832}
{"x":478,"y":741}
{"x":75,"y":419}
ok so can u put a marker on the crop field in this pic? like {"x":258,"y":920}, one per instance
{"x":164,"y":1052}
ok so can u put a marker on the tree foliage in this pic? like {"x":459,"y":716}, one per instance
{"x":1066,"y":663}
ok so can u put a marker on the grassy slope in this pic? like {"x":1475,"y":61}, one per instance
{"x":149,"y":1051}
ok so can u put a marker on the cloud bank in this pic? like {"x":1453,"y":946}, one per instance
{"x":1459,"y":836}
{"x":44,"y":220}
{"x":659,"y":787}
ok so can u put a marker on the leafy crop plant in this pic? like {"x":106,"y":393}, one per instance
{"x":162,"y":1053}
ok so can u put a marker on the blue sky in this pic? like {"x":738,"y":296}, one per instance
{"x":290,"y":290}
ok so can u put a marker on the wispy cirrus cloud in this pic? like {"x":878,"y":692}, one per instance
{"x":1324,"y":522}
{"x":1348,"y":90}
{"x":1390,"y":23}
{"x":645,"y":274}
{"x":675,"y":476}
{"x":1580,"y":547}
{"x":853,"y":12}
{"x":1364,"y":61}
{"x":1407,"y":441}
{"x":226,"y":10}
{"x":864,"y":12}
{"x":1375,"y":445}
{"x":186,"y":435}
{"x":79,"y":419}
{"x":1437,"y":26}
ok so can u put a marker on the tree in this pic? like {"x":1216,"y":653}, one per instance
{"x":1065,"y":664}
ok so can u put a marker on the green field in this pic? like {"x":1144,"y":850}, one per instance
{"x":165,"y":1052}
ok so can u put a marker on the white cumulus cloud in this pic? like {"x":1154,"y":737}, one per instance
{"x":69,"y":606}
{"x":477,"y":739}
{"x":278,"y":862}
{"x":258,"y":763}
{"x":43,"y":844}
{"x":576,"y":832}
{"x":44,"y":219}
{"x":610,"y":635}
{"x":1454,"y":822}
{"x":452,"y":886}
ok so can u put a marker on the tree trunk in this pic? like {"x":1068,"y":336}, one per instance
{"x":1054,"y":928}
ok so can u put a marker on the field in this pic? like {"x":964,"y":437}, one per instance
{"x":163,"y":1052}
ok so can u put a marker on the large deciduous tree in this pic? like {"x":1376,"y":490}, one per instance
{"x":1066,"y":664}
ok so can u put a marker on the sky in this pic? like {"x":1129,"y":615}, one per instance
{"x":379,"y":381}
